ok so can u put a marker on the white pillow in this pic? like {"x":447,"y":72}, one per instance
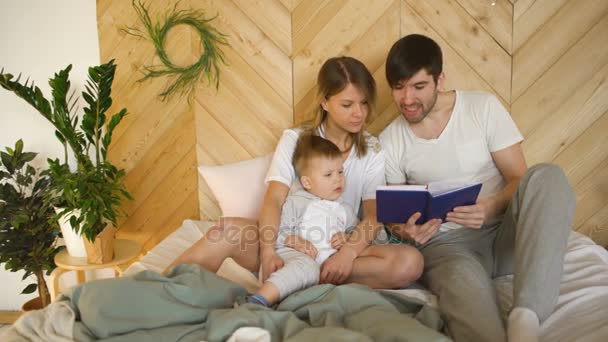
{"x":238,"y":187}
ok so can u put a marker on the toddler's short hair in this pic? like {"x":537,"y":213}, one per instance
{"x":310,"y":146}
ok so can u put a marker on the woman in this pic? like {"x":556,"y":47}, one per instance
{"x":347,"y":94}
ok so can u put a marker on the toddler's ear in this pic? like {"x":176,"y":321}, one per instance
{"x":305,"y":180}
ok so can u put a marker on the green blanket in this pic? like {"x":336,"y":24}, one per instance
{"x":191,"y":304}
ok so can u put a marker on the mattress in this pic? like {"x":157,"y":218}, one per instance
{"x":581,"y":313}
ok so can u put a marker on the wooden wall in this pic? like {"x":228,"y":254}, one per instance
{"x":546,"y":60}
{"x":156,"y":142}
{"x":560,"y":97}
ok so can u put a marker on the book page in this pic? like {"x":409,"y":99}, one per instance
{"x":443,"y":187}
{"x":402,"y":187}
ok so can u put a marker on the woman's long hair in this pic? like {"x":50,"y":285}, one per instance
{"x":335,"y":75}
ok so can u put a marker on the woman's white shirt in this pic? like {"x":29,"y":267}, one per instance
{"x":362,"y":174}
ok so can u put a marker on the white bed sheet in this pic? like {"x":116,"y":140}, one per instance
{"x":581,"y":313}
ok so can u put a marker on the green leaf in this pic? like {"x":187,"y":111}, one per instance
{"x":26,"y":274}
{"x":107,"y":139}
{"x":30,"y":170}
{"x":28,"y":92}
{"x":18,"y":147}
{"x":60,"y":85}
{"x":60,"y":137}
{"x":7,"y":161}
{"x":29,"y":156}
{"x":31,"y":288}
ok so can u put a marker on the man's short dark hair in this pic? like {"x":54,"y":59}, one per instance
{"x":411,"y":54}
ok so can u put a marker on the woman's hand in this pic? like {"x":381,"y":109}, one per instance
{"x":271,"y":262}
{"x":338,"y":240}
{"x":337,"y":268}
{"x":474,"y":216}
{"x":419,"y":233}
{"x":302,"y":245}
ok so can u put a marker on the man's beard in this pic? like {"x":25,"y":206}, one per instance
{"x":426,"y":109}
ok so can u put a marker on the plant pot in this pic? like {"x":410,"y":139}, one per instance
{"x":101,"y":250}
{"x":73,"y":242}
{"x":32,"y":304}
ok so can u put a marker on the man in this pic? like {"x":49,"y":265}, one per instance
{"x":520,"y":223}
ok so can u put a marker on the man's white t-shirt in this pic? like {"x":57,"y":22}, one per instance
{"x":362,"y":174}
{"x":479,"y":125}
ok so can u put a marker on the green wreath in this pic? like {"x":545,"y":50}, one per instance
{"x":186,"y":78}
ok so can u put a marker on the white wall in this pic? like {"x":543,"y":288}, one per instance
{"x":38,"y":38}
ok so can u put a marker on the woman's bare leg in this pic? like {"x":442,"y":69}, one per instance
{"x":231,"y":237}
{"x":387,"y":266}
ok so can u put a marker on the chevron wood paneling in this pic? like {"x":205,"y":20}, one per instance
{"x":323,"y":29}
{"x":545,"y":60}
{"x":539,"y":51}
{"x":560,"y":67}
{"x":245,"y":117}
{"x":529,"y":16}
{"x":497,"y":20}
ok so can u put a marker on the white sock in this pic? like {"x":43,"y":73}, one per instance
{"x":523,"y":325}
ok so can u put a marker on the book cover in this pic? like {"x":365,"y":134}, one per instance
{"x":397,"y":203}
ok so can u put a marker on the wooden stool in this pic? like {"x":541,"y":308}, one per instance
{"x":124,"y":251}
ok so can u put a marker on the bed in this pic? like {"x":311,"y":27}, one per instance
{"x":581,"y":313}
{"x":579,"y":316}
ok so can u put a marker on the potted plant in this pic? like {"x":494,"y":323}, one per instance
{"x":28,"y":231}
{"x":91,"y":192}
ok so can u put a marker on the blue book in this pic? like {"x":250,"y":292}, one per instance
{"x":397,"y":203}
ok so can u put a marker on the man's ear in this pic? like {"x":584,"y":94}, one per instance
{"x":440,"y":81}
{"x":305,"y":180}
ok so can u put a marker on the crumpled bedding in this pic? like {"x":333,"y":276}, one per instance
{"x":192,"y":304}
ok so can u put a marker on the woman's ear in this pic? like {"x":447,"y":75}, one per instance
{"x":305,"y":180}
{"x":324,"y":105}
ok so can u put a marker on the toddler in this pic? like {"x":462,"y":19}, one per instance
{"x":314,"y":220}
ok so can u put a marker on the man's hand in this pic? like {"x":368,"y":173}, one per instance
{"x":419,"y":233}
{"x":337,"y":268}
{"x":300,"y":244}
{"x":338,"y":240}
{"x":271,"y":262}
{"x":474,"y":216}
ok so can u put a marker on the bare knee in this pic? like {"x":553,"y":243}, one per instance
{"x":411,"y":265}
{"x":238,"y":232}
{"x":215,"y":243}
{"x":405,"y":265}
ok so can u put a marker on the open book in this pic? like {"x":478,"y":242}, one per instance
{"x":397,"y":203}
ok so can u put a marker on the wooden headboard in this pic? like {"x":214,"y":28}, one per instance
{"x":549,"y":73}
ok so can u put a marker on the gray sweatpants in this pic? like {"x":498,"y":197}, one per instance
{"x":299,"y":271}
{"x":530,"y":242}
